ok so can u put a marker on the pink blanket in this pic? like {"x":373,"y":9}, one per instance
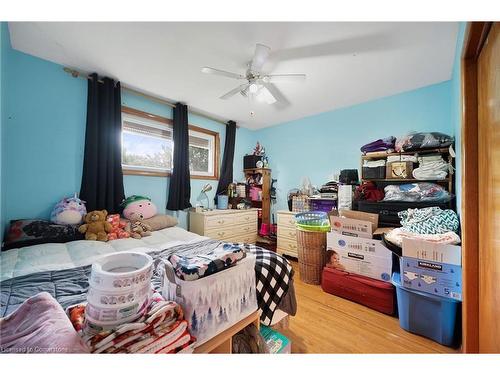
{"x":39,"y":325}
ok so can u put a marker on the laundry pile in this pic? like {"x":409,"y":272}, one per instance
{"x":430,"y":224}
{"x":162,"y":329}
{"x":431,"y":167}
{"x":416,"y":192}
{"x":384,"y":144}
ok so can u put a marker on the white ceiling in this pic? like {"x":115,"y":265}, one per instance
{"x":345,"y":63}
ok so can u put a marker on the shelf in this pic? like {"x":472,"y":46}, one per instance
{"x":383,"y":154}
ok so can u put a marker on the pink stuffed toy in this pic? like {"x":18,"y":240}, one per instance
{"x":137,"y":207}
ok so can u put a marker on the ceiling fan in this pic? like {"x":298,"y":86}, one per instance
{"x":257,"y":84}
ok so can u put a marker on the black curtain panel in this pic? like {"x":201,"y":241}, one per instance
{"x":102,"y":180}
{"x":226,"y":168}
{"x":179,"y":192}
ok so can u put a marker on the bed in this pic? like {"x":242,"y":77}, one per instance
{"x":62,"y":270}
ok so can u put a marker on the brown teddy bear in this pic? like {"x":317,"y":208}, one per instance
{"x":96,"y":227}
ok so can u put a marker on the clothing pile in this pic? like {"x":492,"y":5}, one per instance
{"x":384,"y":144}
{"x":368,"y":191}
{"x":431,"y":167}
{"x":374,"y":163}
{"x":162,"y":329}
{"x":396,"y":158}
{"x":417,"y":141}
{"x":430,"y":224}
{"x":417,"y":192}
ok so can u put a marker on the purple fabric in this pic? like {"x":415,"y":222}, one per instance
{"x":379,"y":145}
{"x":39,"y":325}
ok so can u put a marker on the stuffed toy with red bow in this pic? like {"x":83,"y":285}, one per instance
{"x":118,"y":225}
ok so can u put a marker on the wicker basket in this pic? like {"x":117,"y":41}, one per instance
{"x":311,"y":255}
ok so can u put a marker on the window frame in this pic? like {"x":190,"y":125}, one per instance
{"x":169,"y":123}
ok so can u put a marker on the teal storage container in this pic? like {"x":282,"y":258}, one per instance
{"x":437,"y":318}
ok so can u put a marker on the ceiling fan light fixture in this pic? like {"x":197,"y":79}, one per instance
{"x":254,"y":88}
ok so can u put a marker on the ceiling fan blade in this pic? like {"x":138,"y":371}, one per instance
{"x":273,"y":90}
{"x":285,"y":77}
{"x":260,"y":57}
{"x":235,"y":91}
{"x":219,"y":72}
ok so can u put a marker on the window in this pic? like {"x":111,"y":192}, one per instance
{"x":147,"y":146}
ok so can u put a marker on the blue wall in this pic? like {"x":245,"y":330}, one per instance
{"x":45,"y":129}
{"x":456,"y":111}
{"x":321,"y":145}
{"x":4,"y":46}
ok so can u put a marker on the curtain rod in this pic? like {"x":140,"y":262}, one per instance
{"x":76,"y":74}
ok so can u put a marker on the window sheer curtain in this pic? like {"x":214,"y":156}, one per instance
{"x":226,"y":169}
{"x":179,"y":192}
{"x":102,"y":179}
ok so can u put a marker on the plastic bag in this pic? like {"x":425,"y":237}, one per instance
{"x":417,"y":192}
{"x":416,"y":141}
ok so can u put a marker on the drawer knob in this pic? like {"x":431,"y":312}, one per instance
{"x":247,"y":218}
{"x":221,"y":233}
{"x":221,"y":222}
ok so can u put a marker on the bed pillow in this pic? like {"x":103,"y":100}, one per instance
{"x":158,"y":222}
{"x":28,"y":232}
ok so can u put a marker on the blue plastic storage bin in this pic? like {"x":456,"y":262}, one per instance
{"x":427,"y":315}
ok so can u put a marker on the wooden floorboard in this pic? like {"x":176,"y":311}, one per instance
{"x":328,"y":324}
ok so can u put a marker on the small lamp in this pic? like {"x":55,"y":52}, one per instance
{"x":203,"y":194}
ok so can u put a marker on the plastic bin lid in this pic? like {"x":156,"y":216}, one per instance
{"x":396,"y":281}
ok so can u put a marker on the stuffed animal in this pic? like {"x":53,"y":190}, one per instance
{"x":138,"y":229}
{"x":96,"y":227}
{"x":137,"y":207}
{"x":69,"y":210}
{"x":118,"y":225}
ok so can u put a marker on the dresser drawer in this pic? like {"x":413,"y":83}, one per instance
{"x":231,"y":231}
{"x":287,"y":233}
{"x":286,"y":220}
{"x":215,"y":222}
{"x":287,"y":246}
{"x":247,"y":217}
{"x":249,"y":238}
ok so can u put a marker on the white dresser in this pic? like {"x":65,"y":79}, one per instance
{"x":287,"y":234}
{"x":227,"y":225}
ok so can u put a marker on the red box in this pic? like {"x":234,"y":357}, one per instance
{"x":376,"y":294}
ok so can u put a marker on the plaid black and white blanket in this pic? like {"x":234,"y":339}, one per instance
{"x":273,"y":274}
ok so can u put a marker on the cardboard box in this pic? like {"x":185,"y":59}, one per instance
{"x":435,"y":252}
{"x":399,"y":170}
{"x":361,"y":256}
{"x":351,"y":227}
{"x":442,"y":279}
{"x":360,"y":215}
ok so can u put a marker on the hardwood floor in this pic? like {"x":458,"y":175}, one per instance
{"x":328,"y":324}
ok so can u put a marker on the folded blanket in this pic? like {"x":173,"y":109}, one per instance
{"x":429,"y":220}
{"x":218,"y":258}
{"x":432,"y":167}
{"x":160,"y":327}
{"x":379,"y":145}
{"x":397,"y":235}
{"x":39,"y":325}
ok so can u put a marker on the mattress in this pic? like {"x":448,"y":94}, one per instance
{"x":62,"y":269}
{"x":59,"y":256}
